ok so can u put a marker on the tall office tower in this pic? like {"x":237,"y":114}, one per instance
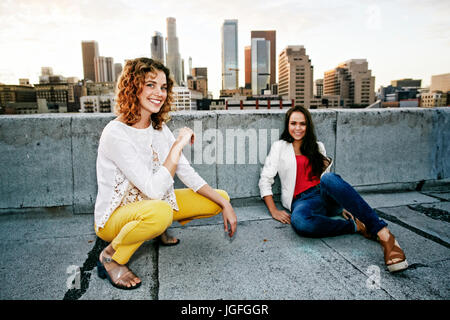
{"x":89,"y":52}
{"x":248,"y":67}
{"x":295,"y":75}
{"x":104,"y":71}
{"x":190,"y":65}
{"x":157,"y":47}
{"x":117,"y":71}
{"x":199,"y":81}
{"x":318,"y":88}
{"x":46,"y":71}
{"x":352,"y":81}
{"x":440,"y":82}
{"x":230,"y":65}
{"x":100,"y":69}
{"x":272,"y":37}
{"x":260,"y":65}
{"x":110,"y":76}
{"x":173,"y":59}
{"x":182,"y":73}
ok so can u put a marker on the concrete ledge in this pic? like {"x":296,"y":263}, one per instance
{"x":48,"y":160}
{"x":36,"y":161}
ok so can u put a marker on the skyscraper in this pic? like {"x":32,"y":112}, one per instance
{"x":272,"y":37}
{"x":110,"y":72}
{"x":440,"y":82}
{"x":260,"y":65}
{"x":352,"y":81}
{"x":104,"y":71}
{"x":248,"y":67}
{"x":198,"y":80}
{"x":230,"y":66}
{"x":295,"y":75}
{"x":100,"y":69}
{"x":117,"y":71}
{"x":190,"y":65}
{"x":89,"y":52}
{"x":157,"y":47}
{"x":173,"y":55}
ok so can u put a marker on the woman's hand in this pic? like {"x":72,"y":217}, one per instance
{"x":185,"y":136}
{"x":281,"y":216}
{"x":228,"y":214}
{"x":229,"y":218}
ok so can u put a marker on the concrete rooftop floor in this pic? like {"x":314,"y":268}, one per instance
{"x":42,"y":249}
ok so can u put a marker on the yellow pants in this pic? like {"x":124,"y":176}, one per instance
{"x":129,"y":226}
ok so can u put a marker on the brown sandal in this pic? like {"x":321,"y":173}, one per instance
{"x":120,"y":274}
{"x":359,"y":225}
{"x":392,"y":251}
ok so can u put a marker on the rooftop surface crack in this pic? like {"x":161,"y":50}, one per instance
{"x":85,"y":271}
{"x":411,"y":228}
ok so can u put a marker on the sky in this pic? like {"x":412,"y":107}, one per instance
{"x":399,"y":39}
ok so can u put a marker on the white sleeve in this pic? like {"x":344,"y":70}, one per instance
{"x":184,"y":171}
{"x":322,"y":148}
{"x":125,"y":156}
{"x":324,"y":152}
{"x":269,"y":171}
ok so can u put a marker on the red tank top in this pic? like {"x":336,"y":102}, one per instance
{"x":303,"y":181}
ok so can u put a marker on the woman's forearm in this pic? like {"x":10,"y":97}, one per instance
{"x":185,"y":136}
{"x":173,"y":158}
{"x":212,"y":195}
{"x":270,"y":203}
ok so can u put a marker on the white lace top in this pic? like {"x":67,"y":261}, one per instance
{"x":129,"y":168}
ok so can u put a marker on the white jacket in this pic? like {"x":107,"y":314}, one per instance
{"x":281,"y":160}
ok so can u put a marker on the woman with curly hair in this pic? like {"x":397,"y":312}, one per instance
{"x":313,"y":194}
{"x":138,"y":157}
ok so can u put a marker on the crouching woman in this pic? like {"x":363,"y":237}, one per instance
{"x":138,"y":157}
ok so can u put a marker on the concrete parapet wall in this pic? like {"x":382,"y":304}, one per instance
{"x":49,"y":160}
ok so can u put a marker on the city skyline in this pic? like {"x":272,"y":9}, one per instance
{"x":405,"y":39}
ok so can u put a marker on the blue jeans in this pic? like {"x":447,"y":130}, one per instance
{"x":313,"y":209}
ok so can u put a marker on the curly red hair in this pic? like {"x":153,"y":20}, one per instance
{"x":130,"y":86}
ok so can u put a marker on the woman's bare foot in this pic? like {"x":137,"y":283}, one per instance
{"x":120,"y":275}
{"x":166,"y":240}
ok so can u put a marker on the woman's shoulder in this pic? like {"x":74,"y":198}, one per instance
{"x":165,"y":130}
{"x":280,"y":144}
{"x":116,"y":130}
{"x":321,"y":145}
{"x":113,"y":126}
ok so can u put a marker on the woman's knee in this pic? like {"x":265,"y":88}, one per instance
{"x":159,"y":213}
{"x":223,"y":193}
{"x":328,"y":177}
{"x":304,"y":225}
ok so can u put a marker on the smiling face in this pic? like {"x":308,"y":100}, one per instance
{"x":154,"y":92}
{"x":297,"y":126}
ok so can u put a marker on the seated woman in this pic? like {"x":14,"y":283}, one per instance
{"x":138,"y":157}
{"x":313,"y":194}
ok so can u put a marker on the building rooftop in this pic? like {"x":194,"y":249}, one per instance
{"x":395,"y":158}
{"x":265,"y":260}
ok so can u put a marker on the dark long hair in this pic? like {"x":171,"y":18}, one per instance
{"x":309,"y":147}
